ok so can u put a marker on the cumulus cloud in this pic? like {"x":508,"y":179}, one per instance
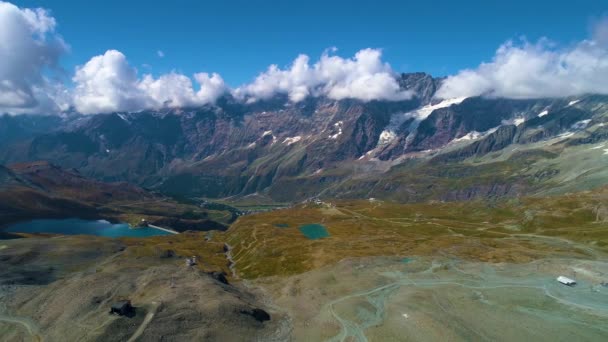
{"x":176,"y":90}
{"x":30,"y":74}
{"x":527,"y":70}
{"x":108,"y":83}
{"x":29,"y":50}
{"x":364,"y":77}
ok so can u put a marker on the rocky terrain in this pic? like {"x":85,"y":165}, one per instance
{"x":62,"y":289}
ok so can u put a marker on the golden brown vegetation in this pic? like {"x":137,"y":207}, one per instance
{"x":517,"y":231}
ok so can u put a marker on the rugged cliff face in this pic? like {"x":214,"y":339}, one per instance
{"x":292,"y":151}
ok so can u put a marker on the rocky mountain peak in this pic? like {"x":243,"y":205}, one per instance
{"x":422,"y":84}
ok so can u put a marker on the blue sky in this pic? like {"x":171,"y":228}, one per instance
{"x":99,"y":57}
{"x":239,"y":39}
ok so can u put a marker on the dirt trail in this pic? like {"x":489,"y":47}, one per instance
{"x":232,"y":263}
{"x":145,"y":323}
{"x":27,"y":323}
{"x":351,"y":330}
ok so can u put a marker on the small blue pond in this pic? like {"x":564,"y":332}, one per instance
{"x":314,"y":231}
{"x":75,"y":226}
{"x":407,"y":260}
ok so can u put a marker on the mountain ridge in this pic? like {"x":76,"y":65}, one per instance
{"x":317,"y":147}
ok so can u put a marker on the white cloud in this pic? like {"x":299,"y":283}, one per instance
{"x":537,"y":70}
{"x":29,"y":50}
{"x":211,"y":87}
{"x":107,"y":83}
{"x":176,"y":90}
{"x":30,"y":75}
{"x":599,"y":31}
{"x":364,"y":77}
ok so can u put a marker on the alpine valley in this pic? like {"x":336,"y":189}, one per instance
{"x":341,"y":220}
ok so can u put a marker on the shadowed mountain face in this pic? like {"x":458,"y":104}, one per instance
{"x":50,"y":178}
{"x":8,"y":178}
{"x":410,"y":150}
{"x":44,"y":190}
{"x":41,"y":189}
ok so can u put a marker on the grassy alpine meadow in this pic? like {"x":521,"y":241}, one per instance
{"x":517,"y":231}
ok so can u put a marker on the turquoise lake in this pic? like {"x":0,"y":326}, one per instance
{"x":314,"y":231}
{"x":75,"y":226}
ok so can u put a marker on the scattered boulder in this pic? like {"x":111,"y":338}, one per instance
{"x":123,"y":308}
{"x":166,"y":253}
{"x":96,"y":300}
{"x":259,"y":314}
{"x":219,"y":276}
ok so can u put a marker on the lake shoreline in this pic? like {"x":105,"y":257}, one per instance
{"x":78,"y":226}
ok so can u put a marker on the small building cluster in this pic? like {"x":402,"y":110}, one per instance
{"x":191,"y":261}
{"x":318,"y":202}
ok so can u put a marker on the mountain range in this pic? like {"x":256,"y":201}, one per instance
{"x":275,"y":150}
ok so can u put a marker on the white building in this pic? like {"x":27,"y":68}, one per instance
{"x":566,"y":281}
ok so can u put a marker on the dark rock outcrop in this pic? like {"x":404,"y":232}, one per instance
{"x":259,"y":314}
{"x":219,"y":276}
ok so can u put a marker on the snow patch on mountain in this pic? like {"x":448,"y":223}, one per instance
{"x":581,"y":124}
{"x":390,"y":132}
{"x":474,"y":135}
{"x":267,"y":133}
{"x":123,"y":117}
{"x":386,"y":137}
{"x":515,"y":121}
{"x":338,"y":126}
{"x":423,"y":112}
{"x":543,"y":113}
{"x":573,"y":102}
{"x":292,"y":140}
